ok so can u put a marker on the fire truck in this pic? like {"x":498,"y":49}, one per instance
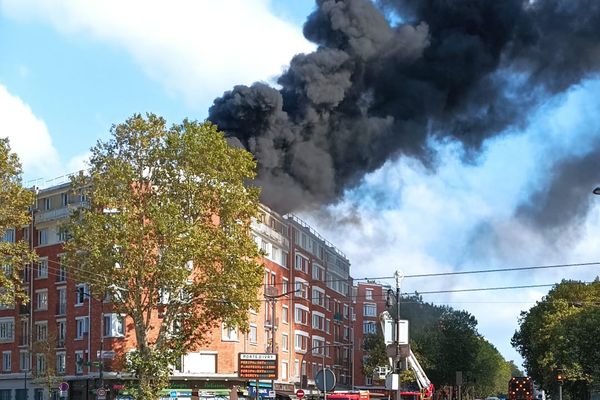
{"x":424,"y":388}
{"x":520,"y":388}
{"x":352,"y":395}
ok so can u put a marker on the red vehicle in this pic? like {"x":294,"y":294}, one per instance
{"x":353,"y":395}
{"x":422,"y":388}
{"x":520,"y":388}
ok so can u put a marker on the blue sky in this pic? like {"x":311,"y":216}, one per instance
{"x":71,"y":69}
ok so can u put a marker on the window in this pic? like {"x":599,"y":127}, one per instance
{"x":284,"y":370}
{"x":229,"y":334}
{"x":285,"y":286}
{"x":24,"y":336}
{"x":47,"y":203}
{"x":64,"y":199}
{"x":61,"y":275}
{"x":80,"y":294}
{"x":113,"y":325}
{"x":369,"y":294}
{"x":301,"y":314}
{"x":284,"y":342}
{"x":40,"y":363}
{"x":318,"y":321}
{"x":41,"y":331}
{"x":368,"y":380}
{"x":301,"y":263}
{"x":82,"y":327}
{"x":7,"y":329}
{"x":41,"y":299}
{"x":38,"y":394}
{"x":284,"y":259}
{"x":24,"y":360}
{"x":9,"y":236}
{"x":369,"y":327}
{"x":5,"y":394}
{"x":318,"y":296}
{"x":370,"y":310}
{"x":79,"y":361}
{"x":61,"y":333}
{"x":42,"y":269}
{"x":6,"y":361}
{"x":285,"y":317}
{"x":43,"y":237}
{"x":317,"y":272}
{"x":318,"y":345}
{"x":301,"y":288}
{"x":253,"y":334}
{"x":301,"y":341}
{"x":26,"y":234}
{"x":61,"y":301}
{"x":61,"y":362}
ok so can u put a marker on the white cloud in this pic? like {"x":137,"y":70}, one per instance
{"x":29,"y":137}
{"x":196,"y":48}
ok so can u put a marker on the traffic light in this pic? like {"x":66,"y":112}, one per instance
{"x":560,"y":377}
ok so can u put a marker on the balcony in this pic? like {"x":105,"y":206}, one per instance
{"x":52,"y":215}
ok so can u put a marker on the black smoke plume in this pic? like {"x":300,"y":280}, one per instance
{"x":387,"y":77}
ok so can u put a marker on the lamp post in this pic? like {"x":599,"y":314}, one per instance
{"x":101,"y":362}
{"x":273,"y":300}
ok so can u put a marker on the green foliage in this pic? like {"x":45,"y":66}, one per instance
{"x":167,"y":235}
{"x":374,"y":345}
{"x":14,"y":200}
{"x":560,"y":332}
{"x":444,"y":341}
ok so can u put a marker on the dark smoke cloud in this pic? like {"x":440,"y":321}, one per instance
{"x":564,"y":202}
{"x":460,"y":70}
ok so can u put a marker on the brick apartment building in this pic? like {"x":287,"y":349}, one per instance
{"x":309,"y":316}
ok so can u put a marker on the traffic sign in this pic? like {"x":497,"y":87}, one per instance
{"x":299,"y":393}
{"x":63,"y":387}
{"x":101,"y":394}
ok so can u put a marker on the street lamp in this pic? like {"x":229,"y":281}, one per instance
{"x":101,"y":362}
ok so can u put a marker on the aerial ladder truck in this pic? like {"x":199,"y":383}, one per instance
{"x":424,"y":389}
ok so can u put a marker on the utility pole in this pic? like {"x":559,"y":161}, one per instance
{"x":399,"y":276}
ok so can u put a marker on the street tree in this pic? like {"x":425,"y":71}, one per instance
{"x":559,"y":332}
{"x":166,"y":236}
{"x":14,"y":203}
{"x":374,"y":345}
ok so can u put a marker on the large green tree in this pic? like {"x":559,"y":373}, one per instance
{"x":444,"y":341}
{"x":560,"y":332}
{"x":14,"y":202}
{"x":167,"y":237}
